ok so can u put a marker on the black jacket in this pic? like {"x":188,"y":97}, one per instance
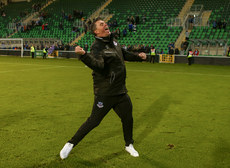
{"x":107,"y":62}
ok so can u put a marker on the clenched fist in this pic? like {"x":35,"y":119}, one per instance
{"x":142,"y":55}
{"x":79,"y":50}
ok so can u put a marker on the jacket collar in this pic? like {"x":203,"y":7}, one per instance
{"x":107,"y":39}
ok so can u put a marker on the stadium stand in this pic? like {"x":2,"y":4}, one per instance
{"x":153,"y":27}
{"x":13,"y":16}
{"x":151,"y":31}
{"x":61,"y":12}
{"x":213,"y":41}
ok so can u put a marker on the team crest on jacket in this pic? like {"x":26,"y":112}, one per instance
{"x":100,"y":104}
{"x":115,"y":43}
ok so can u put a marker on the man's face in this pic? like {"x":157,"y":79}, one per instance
{"x":102,"y":29}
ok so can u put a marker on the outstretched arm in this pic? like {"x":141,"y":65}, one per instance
{"x":130,"y":56}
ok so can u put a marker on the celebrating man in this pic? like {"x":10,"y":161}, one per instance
{"x":109,"y":74}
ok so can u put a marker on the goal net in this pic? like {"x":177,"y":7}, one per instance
{"x":12,"y":44}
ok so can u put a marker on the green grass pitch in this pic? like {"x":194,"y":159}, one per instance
{"x":181,"y":116}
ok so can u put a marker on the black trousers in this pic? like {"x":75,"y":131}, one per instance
{"x":152,"y":58}
{"x":190,"y":60}
{"x":44,"y":55}
{"x":32,"y":53}
{"x":121,"y":104}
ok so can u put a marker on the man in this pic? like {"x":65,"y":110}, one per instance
{"x":32,"y":50}
{"x":228,"y":52}
{"x":189,"y":56}
{"x":196,"y":52}
{"x":152,"y":54}
{"x":44,"y":52}
{"x":109,"y":74}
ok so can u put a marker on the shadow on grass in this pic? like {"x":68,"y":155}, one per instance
{"x":221,"y":154}
{"x":150,"y":119}
{"x":153,"y":163}
{"x":76,"y":161}
{"x":10,"y":119}
{"x":152,"y":116}
{"x":103,"y":161}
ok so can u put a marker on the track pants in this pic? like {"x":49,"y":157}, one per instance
{"x":121,"y":104}
{"x":190,"y":61}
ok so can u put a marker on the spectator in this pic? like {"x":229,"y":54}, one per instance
{"x":24,"y":28}
{"x":70,"y":17}
{"x":136,"y":47}
{"x":144,"y":19}
{"x":128,"y":19}
{"x":134,"y":27}
{"x":214,"y":24}
{"x":117,"y":33}
{"x":81,"y":14}
{"x":219,"y":24}
{"x":132,"y":20}
{"x":228,"y":52}
{"x":43,"y":27}
{"x":67,"y":47}
{"x":196,"y":52}
{"x":86,"y":47}
{"x":137,"y":19}
{"x":38,"y":23}
{"x":46,"y":26}
{"x":63,"y":13}
{"x":3,"y":14}
{"x":187,"y":35}
{"x":169,"y":47}
{"x":161,"y":52}
{"x":186,"y":43}
{"x":172,"y":44}
{"x":75,"y":29}
{"x":191,"y":20}
{"x":171,"y":51}
{"x":177,"y":51}
{"x":147,"y":49}
{"x":152,"y":54}
{"x":130,"y":27}
{"x":89,"y":23}
{"x":125,"y":32}
{"x":189,"y":56}
{"x":45,"y":50}
{"x":85,"y":27}
{"x":60,"y":26}
{"x":123,"y":46}
{"x":224,"y":24}
{"x":130,"y":48}
{"x":32,"y":51}
{"x":141,"y":48}
{"x":115,"y":23}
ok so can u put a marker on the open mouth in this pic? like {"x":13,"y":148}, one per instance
{"x":107,"y":30}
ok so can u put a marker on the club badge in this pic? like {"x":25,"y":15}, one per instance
{"x":115,"y":43}
{"x":100,"y":104}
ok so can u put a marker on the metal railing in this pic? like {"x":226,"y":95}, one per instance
{"x":173,"y":22}
{"x":196,"y":8}
{"x":209,"y":47}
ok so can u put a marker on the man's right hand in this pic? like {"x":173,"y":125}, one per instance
{"x":79,"y":50}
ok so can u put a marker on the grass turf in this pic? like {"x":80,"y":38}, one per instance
{"x":181,"y":116}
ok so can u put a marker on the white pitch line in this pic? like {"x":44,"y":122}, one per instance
{"x":132,"y":70}
{"x":182,"y":73}
{"x":23,"y":70}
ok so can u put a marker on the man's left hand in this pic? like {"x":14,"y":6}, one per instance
{"x":142,"y":55}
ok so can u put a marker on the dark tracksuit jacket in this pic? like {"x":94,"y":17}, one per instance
{"x":107,"y":62}
{"x":109,"y":74}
